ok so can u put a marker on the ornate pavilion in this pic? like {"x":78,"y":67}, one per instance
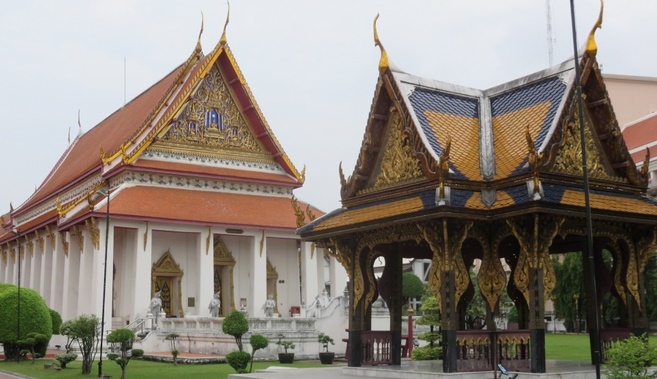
{"x":455,"y":174}
{"x":185,"y":190}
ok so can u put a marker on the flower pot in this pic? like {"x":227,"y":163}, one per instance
{"x":286,"y":357}
{"x":327,"y":357}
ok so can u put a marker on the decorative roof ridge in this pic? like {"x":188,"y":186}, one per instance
{"x":295,"y":173}
{"x":52,"y":172}
{"x":436,"y":85}
{"x":564,"y":69}
{"x":184,"y":70}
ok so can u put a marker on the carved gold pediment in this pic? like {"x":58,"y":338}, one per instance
{"x":212,"y":124}
{"x":166,"y":265}
{"x":222,"y":256}
{"x":271,"y":271}
{"x":397,"y":163}
{"x":569,"y":158}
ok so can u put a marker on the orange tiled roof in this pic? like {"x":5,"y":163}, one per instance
{"x":201,"y":207}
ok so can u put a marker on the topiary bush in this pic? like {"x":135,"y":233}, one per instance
{"x":238,"y":360}
{"x":236,"y":324}
{"x":35,"y":317}
{"x":40,"y":344}
{"x":56,"y":320}
{"x":631,"y":358}
{"x":257,"y":341}
{"x":137,"y":353}
{"x":65,"y":358}
{"x":426,"y":353}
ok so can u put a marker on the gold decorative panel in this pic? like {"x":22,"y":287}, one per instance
{"x":211,"y":120}
{"x":398,"y":164}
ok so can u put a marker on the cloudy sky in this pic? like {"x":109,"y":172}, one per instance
{"x":311,"y":64}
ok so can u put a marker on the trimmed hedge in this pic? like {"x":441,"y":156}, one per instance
{"x":56,"y":320}
{"x":238,"y":360}
{"x":35,"y":317}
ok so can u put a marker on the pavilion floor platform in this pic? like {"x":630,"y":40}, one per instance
{"x":419,"y":370}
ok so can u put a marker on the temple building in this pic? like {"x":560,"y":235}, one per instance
{"x":184,"y":191}
{"x":509,"y":176}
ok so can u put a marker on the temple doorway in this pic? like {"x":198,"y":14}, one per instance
{"x":166,"y":278}
{"x":224,"y":263}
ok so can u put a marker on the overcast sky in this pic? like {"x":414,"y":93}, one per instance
{"x":311,"y":64}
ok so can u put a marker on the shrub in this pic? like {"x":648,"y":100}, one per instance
{"x":426,"y":353}
{"x":235,"y":324}
{"x":35,"y":317}
{"x":56,"y":320}
{"x":84,"y":330}
{"x":631,"y":358}
{"x":137,"y":353}
{"x":40,"y":344}
{"x":123,"y":339}
{"x":258,"y":341}
{"x":285,"y":344}
{"x":112,"y":356}
{"x":65,"y":358}
{"x":238,"y":360}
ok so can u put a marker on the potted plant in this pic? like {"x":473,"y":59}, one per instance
{"x":285,"y":357}
{"x":326,"y":357}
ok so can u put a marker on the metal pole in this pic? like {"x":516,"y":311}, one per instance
{"x":18,"y":329}
{"x":587,"y":203}
{"x":102,"y":317}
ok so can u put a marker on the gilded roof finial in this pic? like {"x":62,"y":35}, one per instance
{"x":223,"y":39}
{"x":198,"y":42}
{"x":591,"y":46}
{"x":383,"y":62}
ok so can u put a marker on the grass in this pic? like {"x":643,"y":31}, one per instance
{"x":137,"y":369}
{"x":572,"y":347}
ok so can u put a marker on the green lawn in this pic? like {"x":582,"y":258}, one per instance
{"x":572,"y":347}
{"x":137,"y":369}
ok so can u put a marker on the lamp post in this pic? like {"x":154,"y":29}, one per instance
{"x":102,"y":317}
{"x":18,"y":296}
{"x":595,"y":332}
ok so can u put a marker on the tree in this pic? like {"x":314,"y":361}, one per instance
{"x":258,"y":341}
{"x":568,"y":294}
{"x":236,"y":325}
{"x":631,"y":358}
{"x":430,"y":316}
{"x":122,"y":338}
{"x":412,"y":286}
{"x":35,"y":317}
{"x":85,"y":330}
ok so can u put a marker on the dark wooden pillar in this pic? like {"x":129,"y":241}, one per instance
{"x":536,"y":320}
{"x":449,"y":321}
{"x":357,"y":314}
{"x":395,"y":265}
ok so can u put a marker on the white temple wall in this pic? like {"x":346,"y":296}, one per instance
{"x":124,"y":276}
{"x":238,"y":246}
{"x":26,"y":265}
{"x":58,"y":270}
{"x":283,"y":255}
{"x":46,"y":271}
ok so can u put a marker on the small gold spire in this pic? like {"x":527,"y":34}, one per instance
{"x":383,"y":62}
{"x":303,"y":174}
{"x":198,"y":42}
{"x":591,"y":46}
{"x":223,"y":39}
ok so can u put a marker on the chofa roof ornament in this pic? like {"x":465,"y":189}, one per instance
{"x":591,"y":46}
{"x":383,"y":62}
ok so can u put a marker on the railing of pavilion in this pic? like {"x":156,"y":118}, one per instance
{"x":475,"y":351}
{"x":610,"y":336}
{"x":377,"y":348}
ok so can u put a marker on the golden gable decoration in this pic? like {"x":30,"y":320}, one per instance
{"x":212,"y":119}
{"x":398,"y":164}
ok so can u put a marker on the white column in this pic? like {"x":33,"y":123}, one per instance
{"x":337,"y":276}
{"x":258,"y":278}
{"x":70,"y":285}
{"x":86,"y":277}
{"x":309,"y":259}
{"x":98,"y":268}
{"x":142,"y":273}
{"x":58,"y":272}
{"x":35,"y":272}
{"x":205,"y":272}
{"x":26,"y":264}
{"x":46,"y":272}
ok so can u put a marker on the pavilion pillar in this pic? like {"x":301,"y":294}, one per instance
{"x":391,"y":291}
{"x":449,"y":321}
{"x":536,"y":320}
{"x":358,"y":308}
{"x":258,"y":286}
{"x":591,"y":301}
